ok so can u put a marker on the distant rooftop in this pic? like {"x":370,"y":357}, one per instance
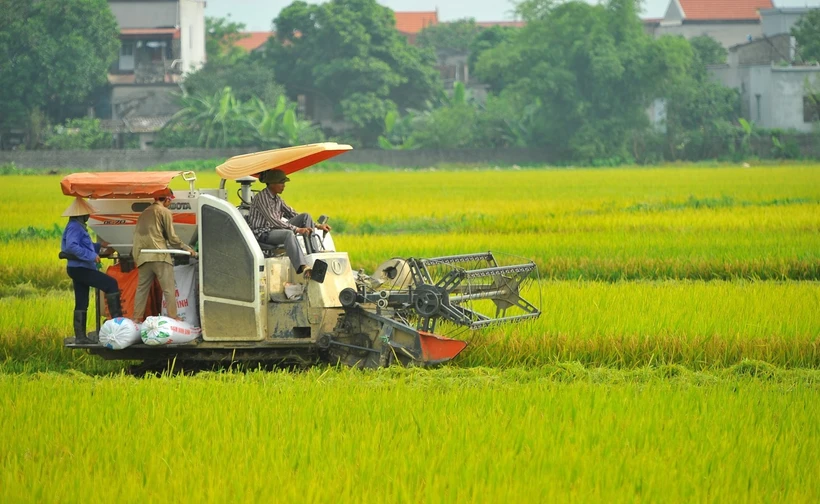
{"x":253,"y":40}
{"x":723,"y":10}
{"x":414,"y":22}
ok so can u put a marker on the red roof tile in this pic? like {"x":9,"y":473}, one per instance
{"x":253,"y":40}
{"x":413,"y":22}
{"x":723,"y":10}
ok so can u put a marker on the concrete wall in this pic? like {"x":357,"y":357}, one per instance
{"x":728,"y":34}
{"x":127,"y":160}
{"x":146,"y":14}
{"x":124,"y":160}
{"x":776,"y":21}
{"x":110,"y":160}
{"x":771,"y":96}
{"x":787,"y":91}
{"x":143,"y":101}
{"x":773,"y":49}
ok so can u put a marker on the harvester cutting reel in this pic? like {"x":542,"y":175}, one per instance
{"x":469,"y":290}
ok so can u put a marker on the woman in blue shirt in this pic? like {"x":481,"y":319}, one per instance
{"x":83,"y":256}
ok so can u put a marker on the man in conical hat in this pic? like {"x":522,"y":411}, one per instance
{"x":83,"y":256}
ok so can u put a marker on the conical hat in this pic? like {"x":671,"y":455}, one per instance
{"x":78,"y":207}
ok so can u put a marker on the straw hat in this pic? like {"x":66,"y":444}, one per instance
{"x":78,"y":207}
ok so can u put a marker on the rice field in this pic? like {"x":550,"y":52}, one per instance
{"x":677,"y":357}
{"x":473,"y":435}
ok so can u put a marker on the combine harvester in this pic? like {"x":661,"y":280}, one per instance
{"x":254,"y":308}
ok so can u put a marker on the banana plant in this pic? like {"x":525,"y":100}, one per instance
{"x":397,"y":132}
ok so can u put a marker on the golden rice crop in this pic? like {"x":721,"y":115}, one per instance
{"x":539,"y":199}
{"x":405,"y":436}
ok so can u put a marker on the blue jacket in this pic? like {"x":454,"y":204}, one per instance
{"x":77,"y":241}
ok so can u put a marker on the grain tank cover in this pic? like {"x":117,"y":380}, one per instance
{"x":120,"y":197}
{"x":118,"y":185}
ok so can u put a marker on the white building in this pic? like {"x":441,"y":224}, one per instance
{"x":776,"y":92}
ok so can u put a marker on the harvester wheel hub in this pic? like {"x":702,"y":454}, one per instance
{"x":427,"y":301}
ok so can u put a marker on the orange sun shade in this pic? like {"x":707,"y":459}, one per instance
{"x":289,"y":159}
{"x":118,"y":184}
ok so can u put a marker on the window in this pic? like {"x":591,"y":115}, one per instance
{"x":127,"y":49}
{"x":811,"y":108}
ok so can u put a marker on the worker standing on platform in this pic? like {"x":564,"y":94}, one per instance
{"x":155,"y":230}
{"x":83,"y":257}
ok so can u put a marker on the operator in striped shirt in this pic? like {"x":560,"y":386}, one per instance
{"x":273,"y":222}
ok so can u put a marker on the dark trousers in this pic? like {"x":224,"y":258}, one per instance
{"x":83,"y":279}
{"x":287,"y":238}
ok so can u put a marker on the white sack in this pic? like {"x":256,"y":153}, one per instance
{"x":119,"y":333}
{"x":185,"y":280}
{"x":166,"y":331}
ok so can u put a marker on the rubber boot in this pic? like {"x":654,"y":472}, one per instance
{"x":114,"y":304}
{"x":80,"y":336}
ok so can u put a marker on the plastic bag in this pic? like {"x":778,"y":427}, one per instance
{"x":157,"y":331}
{"x":119,"y":333}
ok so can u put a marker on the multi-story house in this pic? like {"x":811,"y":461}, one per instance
{"x":161,"y":41}
{"x":730,"y":22}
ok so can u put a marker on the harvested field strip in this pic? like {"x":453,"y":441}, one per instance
{"x":626,"y":324}
{"x":438,"y":436}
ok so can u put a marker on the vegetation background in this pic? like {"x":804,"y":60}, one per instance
{"x":585,"y":101}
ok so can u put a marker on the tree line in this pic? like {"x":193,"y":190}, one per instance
{"x":576,"y":79}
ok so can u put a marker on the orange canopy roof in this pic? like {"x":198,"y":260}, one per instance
{"x":118,"y":184}
{"x":288,"y":159}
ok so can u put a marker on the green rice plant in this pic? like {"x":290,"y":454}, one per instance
{"x":632,"y":324}
{"x":410,"y":436}
{"x":32,"y":262}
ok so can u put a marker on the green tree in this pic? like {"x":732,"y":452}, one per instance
{"x":488,"y":38}
{"x":806,"y":33}
{"x":708,"y":51}
{"x":699,"y":111}
{"x":53,"y":53}
{"x":593,"y":69}
{"x":216,"y":120}
{"x":221,"y":36}
{"x":248,"y":78}
{"x":349,"y":54}
{"x":83,"y":134}
{"x":449,"y":126}
{"x":456,"y":37}
{"x":222,"y":120}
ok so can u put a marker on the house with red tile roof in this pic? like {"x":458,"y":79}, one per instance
{"x":410,"y":24}
{"x":253,"y":40}
{"x":730,"y":22}
{"x":777,"y":88}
